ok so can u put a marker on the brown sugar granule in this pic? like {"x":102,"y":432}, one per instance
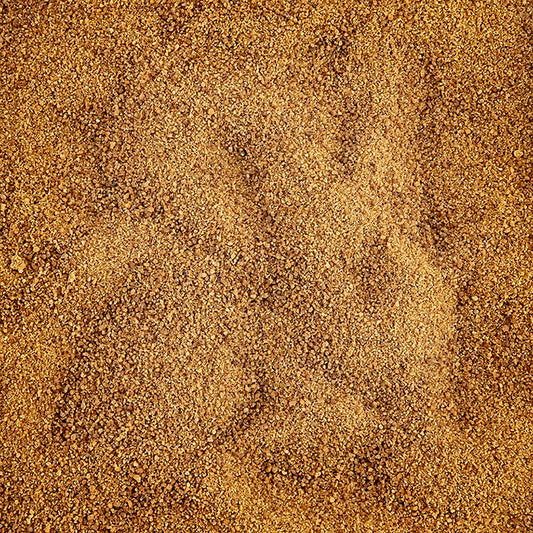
{"x":265,"y":266}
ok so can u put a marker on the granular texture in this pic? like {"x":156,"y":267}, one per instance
{"x":266,"y":266}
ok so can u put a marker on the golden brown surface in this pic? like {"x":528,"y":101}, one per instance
{"x":266,"y":266}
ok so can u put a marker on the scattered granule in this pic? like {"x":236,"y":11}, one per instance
{"x":265,"y":267}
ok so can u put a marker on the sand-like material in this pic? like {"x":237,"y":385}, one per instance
{"x":266,"y":266}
